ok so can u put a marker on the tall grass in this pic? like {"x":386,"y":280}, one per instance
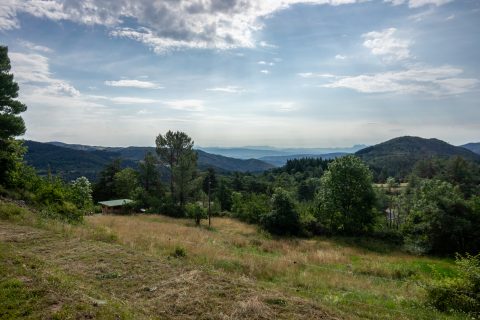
{"x":382,"y":284}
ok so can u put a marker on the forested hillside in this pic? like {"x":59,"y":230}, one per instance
{"x":73,"y":161}
{"x":397,"y":157}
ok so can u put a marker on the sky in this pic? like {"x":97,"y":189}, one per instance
{"x":284,"y":73}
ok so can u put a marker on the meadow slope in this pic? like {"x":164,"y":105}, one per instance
{"x":155,"y":267}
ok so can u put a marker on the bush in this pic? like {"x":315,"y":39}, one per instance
{"x":461,"y":293}
{"x":441,"y":221}
{"x":10,"y":211}
{"x":179,"y":252}
{"x":283,"y":219}
{"x":249,"y":207}
{"x":196,"y":212}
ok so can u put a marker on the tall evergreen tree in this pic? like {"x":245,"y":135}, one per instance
{"x":11,"y":124}
{"x":175,"y":150}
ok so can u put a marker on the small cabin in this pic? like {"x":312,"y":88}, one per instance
{"x":115,"y":206}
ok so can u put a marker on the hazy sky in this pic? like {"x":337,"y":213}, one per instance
{"x":313,"y":73}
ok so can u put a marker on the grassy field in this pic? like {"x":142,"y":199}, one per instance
{"x":151,"y":266}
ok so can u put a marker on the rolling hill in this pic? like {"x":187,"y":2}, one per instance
{"x":398,"y":156}
{"x":72,"y":161}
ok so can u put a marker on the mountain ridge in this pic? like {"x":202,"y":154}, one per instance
{"x":398,"y":156}
{"x":72,"y":161}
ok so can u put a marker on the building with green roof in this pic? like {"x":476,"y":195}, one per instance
{"x":115,"y":206}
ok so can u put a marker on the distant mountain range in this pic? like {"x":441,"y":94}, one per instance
{"x":474,"y":147}
{"x":395,"y":157}
{"x":398,"y":156}
{"x":262,"y":152}
{"x":73,"y":160}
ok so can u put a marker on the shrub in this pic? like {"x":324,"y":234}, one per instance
{"x":249,"y":207}
{"x":441,"y":221}
{"x":283,"y":219}
{"x":461,"y":293}
{"x":179,"y":252}
{"x":196,"y":212}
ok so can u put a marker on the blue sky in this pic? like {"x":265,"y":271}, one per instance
{"x":285,"y":73}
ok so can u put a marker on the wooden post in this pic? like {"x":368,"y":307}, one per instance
{"x":209,"y":202}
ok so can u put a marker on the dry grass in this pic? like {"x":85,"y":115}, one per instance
{"x":78,"y":277}
{"x":327,"y":271}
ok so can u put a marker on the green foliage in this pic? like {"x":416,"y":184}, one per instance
{"x":10,"y":211}
{"x":81,"y":194}
{"x":179,"y":252}
{"x":104,"y":189}
{"x":310,"y":167}
{"x":283,"y":219}
{"x":175,"y":150}
{"x":11,"y":124}
{"x":397,"y":157}
{"x":125,"y":183}
{"x":149,"y":175}
{"x":346,"y":197}
{"x":196,"y":212}
{"x":307,"y":189}
{"x":224,"y":195}
{"x":461,"y":293}
{"x":250,"y":207}
{"x":441,"y":221}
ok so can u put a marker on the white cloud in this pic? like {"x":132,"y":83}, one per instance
{"x":419,"y":3}
{"x":384,"y":44}
{"x":227,"y":89}
{"x":438,"y":81}
{"x":168,"y":25}
{"x":340,"y":57}
{"x":34,"y":47}
{"x":265,"y":44}
{"x":34,"y":70}
{"x":186,"y":104}
{"x":132,"y":100}
{"x":265,"y":71}
{"x":133,"y":84}
{"x":316,"y":75}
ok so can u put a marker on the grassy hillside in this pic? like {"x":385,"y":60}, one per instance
{"x":154,"y":267}
{"x":398,"y":156}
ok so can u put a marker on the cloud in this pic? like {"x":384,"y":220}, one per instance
{"x":265,"y":44}
{"x":132,"y":100}
{"x":384,"y":44}
{"x":34,"y":47}
{"x":227,"y":89}
{"x":265,"y":71}
{"x":438,"y":81}
{"x":169,"y":25}
{"x":340,"y":57}
{"x":316,"y":75}
{"x":186,"y":104}
{"x":419,"y":3}
{"x":133,"y":84}
{"x":34,"y":70}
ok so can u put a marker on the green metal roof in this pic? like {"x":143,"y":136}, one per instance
{"x":116,"y":203}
